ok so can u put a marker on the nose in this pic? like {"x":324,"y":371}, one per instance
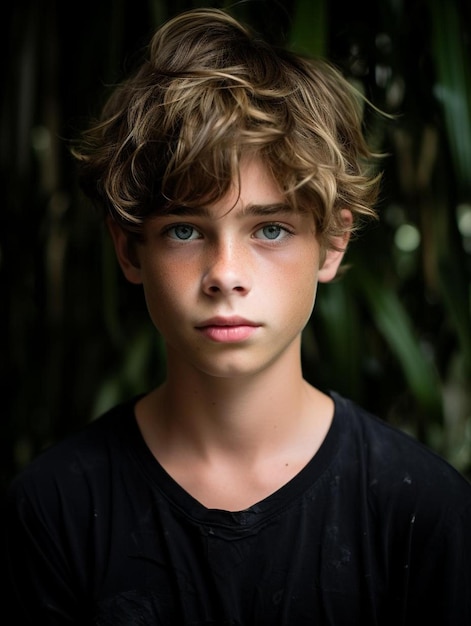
{"x":227,"y":270}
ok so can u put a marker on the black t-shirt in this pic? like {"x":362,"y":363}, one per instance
{"x":375,"y":530}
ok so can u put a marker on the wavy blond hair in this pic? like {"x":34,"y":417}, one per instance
{"x":210,"y":92}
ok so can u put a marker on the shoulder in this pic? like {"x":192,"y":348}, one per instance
{"x":82,"y":461}
{"x":398,"y":469}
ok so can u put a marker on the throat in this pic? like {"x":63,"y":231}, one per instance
{"x":235,"y":488}
{"x":235,"y":463}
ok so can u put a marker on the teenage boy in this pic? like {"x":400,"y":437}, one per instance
{"x":231,"y":175}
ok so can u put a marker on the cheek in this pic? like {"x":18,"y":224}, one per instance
{"x":306,"y":289}
{"x":298,"y":284}
{"x":166,"y":287}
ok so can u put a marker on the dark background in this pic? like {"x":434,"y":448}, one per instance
{"x":393,"y":334}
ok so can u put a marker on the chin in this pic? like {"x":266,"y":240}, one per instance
{"x":233,"y":369}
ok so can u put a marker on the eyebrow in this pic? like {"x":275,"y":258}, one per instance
{"x":250,"y":209}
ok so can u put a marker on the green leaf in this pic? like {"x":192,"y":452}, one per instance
{"x":453,"y":87}
{"x":309,"y":27}
{"x":392,"y":320}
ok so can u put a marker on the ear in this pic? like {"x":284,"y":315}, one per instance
{"x":333,"y":256}
{"x":126,"y":257}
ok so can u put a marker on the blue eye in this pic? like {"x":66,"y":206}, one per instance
{"x":182,"y":232}
{"x":272,"y":232}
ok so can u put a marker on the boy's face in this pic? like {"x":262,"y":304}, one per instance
{"x":230,"y":286}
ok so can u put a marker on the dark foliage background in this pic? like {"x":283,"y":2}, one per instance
{"x":394,"y":333}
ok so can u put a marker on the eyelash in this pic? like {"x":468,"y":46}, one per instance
{"x":173,"y":227}
{"x":286,"y":231}
{"x":282,"y":228}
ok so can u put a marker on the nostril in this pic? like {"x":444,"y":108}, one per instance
{"x":216,"y":289}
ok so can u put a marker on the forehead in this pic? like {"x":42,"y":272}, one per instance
{"x":252,"y":191}
{"x":254,"y":187}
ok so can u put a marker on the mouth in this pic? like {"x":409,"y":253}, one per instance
{"x":226,"y":321}
{"x":227,"y":329}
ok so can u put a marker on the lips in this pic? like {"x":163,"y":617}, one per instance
{"x":227,"y":329}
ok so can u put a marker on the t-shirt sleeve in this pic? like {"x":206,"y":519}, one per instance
{"x":421,"y":511}
{"x":439,"y":590}
{"x":41,"y":588}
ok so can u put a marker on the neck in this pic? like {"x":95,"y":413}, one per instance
{"x":232,"y":441}
{"x":249,"y":412}
{"x":243,"y":403}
